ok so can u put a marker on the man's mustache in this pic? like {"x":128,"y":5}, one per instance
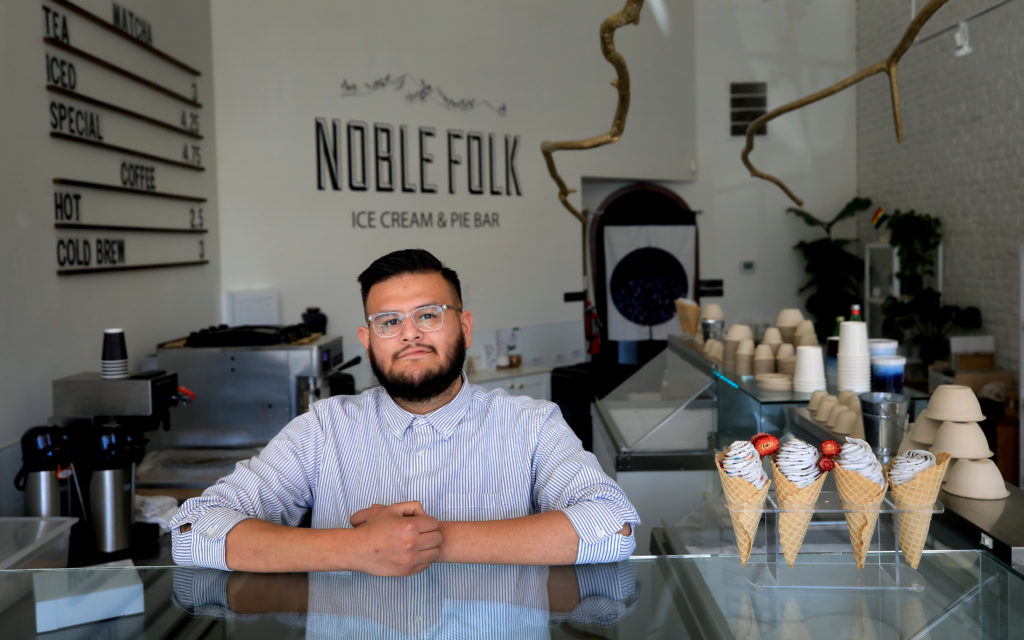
{"x":412,"y":347}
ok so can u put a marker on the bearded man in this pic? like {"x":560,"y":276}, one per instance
{"x":424,"y":468}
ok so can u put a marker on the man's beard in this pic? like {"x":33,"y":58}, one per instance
{"x":433,"y":384}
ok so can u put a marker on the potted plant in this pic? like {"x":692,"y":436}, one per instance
{"x":835,"y":273}
{"x":918,"y":316}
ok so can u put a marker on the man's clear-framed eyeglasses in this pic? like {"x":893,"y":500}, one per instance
{"x":388,"y":324}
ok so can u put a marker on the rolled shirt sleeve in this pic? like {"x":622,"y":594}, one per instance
{"x":570,"y":479}
{"x":277,"y":486}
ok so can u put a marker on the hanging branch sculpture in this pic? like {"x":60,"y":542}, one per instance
{"x":888,"y":66}
{"x":630,"y":14}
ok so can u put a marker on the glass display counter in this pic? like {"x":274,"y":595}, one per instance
{"x":959,"y":594}
{"x":661,"y":417}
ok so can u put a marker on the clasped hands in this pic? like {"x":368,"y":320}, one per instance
{"x":400,"y":539}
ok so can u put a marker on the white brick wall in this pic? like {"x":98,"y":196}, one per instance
{"x":962,"y":158}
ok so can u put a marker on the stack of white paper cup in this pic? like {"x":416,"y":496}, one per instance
{"x":854,"y":357}
{"x":809,"y":374}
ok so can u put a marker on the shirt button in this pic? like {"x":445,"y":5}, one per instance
{"x":211,"y":531}
{"x":601,"y":533}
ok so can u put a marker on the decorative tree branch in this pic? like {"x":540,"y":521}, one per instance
{"x":888,"y":66}
{"x":630,"y":14}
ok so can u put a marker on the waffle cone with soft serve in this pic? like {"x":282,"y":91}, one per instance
{"x":861,"y":498}
{"x":919,"y":493}
{"x":797,"y":509}
{"x":745,"y":502}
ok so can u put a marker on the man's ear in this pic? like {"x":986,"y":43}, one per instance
{"x":466,"y":319}
{"x":364,"y":336}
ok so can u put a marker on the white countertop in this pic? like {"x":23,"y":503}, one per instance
{"x":502,"y":374}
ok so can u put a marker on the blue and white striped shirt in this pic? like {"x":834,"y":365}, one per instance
{"x":483,"y":456}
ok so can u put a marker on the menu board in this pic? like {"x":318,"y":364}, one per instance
{"x":128,"y":187}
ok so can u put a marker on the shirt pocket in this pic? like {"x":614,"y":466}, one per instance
{"x":483,"y":506}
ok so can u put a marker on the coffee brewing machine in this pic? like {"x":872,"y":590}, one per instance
{"x":250,"y":381}
{"x":98,"y":431}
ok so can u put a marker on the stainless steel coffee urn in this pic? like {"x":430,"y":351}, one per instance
{"x":111,"y":453}
{"x":45,"y":464}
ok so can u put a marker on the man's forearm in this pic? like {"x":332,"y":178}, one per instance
{"x":400,"y":540}
{"x":256,"y":545}
{"x":543,"y":538}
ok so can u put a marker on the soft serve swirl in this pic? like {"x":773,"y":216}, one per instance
{"x":742,"y":461}
{"x":856,"y":455}
{"x":910,"y":463}
{"x":798,"y":461}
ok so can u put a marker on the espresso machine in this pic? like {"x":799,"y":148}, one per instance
{"x":105,"y":421}
{"x":251,"y":381}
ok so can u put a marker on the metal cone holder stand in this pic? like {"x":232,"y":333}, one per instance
{"x":883,"y":568}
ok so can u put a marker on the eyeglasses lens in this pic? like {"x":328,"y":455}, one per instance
{"x":390,"y":324}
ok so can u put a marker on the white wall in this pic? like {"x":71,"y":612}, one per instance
{"x":797,"y":48}
{"x":52,"y":326}
{"x":279,"y":67}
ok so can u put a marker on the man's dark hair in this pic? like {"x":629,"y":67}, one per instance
{"x":405,"y":261}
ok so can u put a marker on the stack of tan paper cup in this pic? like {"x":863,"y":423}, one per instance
{"x":745,"y":357}
{"x":785,"y":359}
{"x":772,"y":338}
{"x":787,"y":321}
{"x":764,"y":360}
{"x":736,"y":334}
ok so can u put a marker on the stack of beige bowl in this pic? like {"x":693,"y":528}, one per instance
{"x":804,"y":335}
{"x":736,"y":334}
{"x":787,"y":322}
{"x":841,"y":414}
{"x":920,"y":434}
{"x":973,"y":474}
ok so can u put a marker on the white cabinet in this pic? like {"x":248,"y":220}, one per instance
{"x":535,"y":385}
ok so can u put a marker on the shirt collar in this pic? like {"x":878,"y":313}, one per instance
{"x":443,"y":420}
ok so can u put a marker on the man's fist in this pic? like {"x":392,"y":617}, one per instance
{"x":398,"y":540}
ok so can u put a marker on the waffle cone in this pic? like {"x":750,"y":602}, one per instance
{"x":861,"y":497}
{"x":745,"y":502}
{"x":920,"y":492}
{"x":793,"y":524}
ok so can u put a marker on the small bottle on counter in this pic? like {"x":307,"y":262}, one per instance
{"x":839,"y":320}
{"x":855,"y":313}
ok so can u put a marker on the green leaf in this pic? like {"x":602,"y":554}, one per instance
{"x":806,"y":217}
{"x":852,"y":207}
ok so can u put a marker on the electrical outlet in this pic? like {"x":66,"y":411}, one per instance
{"x":748,"y":266}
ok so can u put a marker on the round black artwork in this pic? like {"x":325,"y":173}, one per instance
{"x":645,"y":284}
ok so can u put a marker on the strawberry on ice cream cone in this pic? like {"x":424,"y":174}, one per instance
{"x":861,"y":485}
{"x":915,"y":477}
{"x":745,"y":485}
{"x":798,"y":481}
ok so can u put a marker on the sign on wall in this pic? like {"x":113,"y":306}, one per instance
{"x":127,"y":117}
